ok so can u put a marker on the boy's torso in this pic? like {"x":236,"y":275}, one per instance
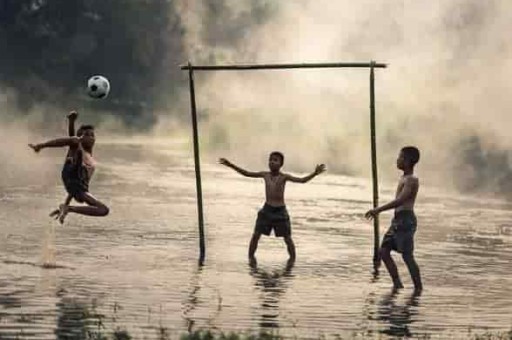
{"x":409,"y":204}
{"x":274,"y":189}
{"x":80,"y":157}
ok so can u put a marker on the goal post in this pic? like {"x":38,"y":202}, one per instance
{"x":250,"y":67}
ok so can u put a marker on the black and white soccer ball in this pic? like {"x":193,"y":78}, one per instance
{"x":98,"y":87}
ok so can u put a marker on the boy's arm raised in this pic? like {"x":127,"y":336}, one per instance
{"x":405,"y":194}
{"x":72,"y":116}
{"x":241,"y":171}
{"x":318,"y":170}
{"x":56,"y":143}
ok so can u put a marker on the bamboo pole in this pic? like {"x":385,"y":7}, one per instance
{"x":199,"y":190}
{"x":376,"y":257}
{"x":279,"y":66}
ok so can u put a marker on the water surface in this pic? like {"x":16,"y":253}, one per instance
{"x":136,"y":270}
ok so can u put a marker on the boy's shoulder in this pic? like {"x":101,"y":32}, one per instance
{"x":411,"y":179}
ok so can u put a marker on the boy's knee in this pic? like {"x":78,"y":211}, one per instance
{"x":104,"y":210}
{"x":288,"y":239}
{"x":408,"y":257}
{"x":255,"y":236}
{"x":384,"y":252}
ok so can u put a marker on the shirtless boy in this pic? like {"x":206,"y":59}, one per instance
{"x":77,"y":172}
{"x":273,"y":215}
{"x":400,"y":235}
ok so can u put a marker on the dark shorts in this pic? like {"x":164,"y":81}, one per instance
{"x":74,"y":181}
{"x":400,"y":235}
{"x":276,"y":218}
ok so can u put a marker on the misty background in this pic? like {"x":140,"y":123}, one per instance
{"x":446,"y":88}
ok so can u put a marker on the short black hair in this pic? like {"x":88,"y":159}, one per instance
{"x":86,"y":127}
{"x":278,"y":154}
{"x":82,"y":128}
{"x":411,"y":153}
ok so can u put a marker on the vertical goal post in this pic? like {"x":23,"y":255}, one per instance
{"x":249,"y":67}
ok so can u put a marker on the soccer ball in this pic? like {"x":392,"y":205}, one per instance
{"x":98,"y":87}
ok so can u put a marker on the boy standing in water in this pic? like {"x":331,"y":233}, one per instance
{"x":77,"y":172}
{"x":400,"y":235}
{"x":273,"y":215}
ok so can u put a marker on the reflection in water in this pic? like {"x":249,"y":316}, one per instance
{"x":272,"y":285}
{"x":76,"y":320}
{"x":397,"y":317}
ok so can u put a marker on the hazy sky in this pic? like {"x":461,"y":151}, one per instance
{"x":444,"y":90}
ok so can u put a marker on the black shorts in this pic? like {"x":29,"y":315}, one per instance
{"x":276,"y":218}
{"x":73,"y":178}
{"x":400,"y":235}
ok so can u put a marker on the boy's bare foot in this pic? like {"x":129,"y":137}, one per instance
{"x":417,"y":291}
{"x":63,"y":211}
{"x":252,"y":261}
{"x":55,"y":213}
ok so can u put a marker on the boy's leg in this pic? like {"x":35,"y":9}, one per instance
{"x":290,"y":246}
{"x":385,"y":255}
{"x":94,"y":207}
{"x":254,"y":245}
{"x":414,"y":270}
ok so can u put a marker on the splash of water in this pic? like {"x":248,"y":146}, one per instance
{"x":48,"y":248}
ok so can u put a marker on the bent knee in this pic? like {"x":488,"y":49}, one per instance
{"x":103,"y":210}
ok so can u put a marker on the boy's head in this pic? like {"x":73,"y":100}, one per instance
{"x":275,"y":160}
{"x":408,"y":157}
{"x":86,"y":132}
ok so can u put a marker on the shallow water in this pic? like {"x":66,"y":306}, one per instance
{"x":136,"y":270}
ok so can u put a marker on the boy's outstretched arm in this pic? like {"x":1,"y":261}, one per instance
{"x":318,"y":170}
{"x":56,"y":143}
{"x":403,"y":196}
{"x":241,"y":171}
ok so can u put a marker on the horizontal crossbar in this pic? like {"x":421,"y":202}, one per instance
{"x":279,"y":66}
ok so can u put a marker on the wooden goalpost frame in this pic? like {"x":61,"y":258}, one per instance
{"x":371,"y":65}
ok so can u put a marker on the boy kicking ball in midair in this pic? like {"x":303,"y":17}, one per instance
{"x":77,"y":171}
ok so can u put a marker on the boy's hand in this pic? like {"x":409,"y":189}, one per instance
{"x":35,"y":147}
{"x":370,"y":214}
{"x":319,"y":169}
{"x":72,"y":115}
{"x":225,"y":162}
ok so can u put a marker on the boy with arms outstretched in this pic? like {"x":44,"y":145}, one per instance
{"x":77,"y":172}
{"x":273,"y":215}
{"x":400,"y":235}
